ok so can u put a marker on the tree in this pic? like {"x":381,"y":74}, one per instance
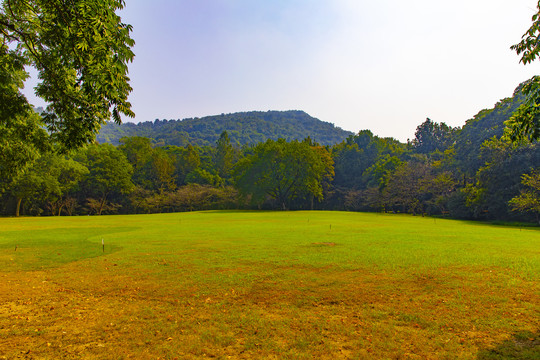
{"x":138,"y":151}
{"x":529,"y":199}
{"x":357,"y":154}
{"x":21,"y":143}
{"x":186,"y":160}
{"x":381,"y":170}
{"x":48,"y":179}
{"x":193,"y":197}
{"x":327,"y":176}
{"x":405,"y":189}
{"x":162,"y":170}
{"x":80,"y":50}
{"x":440,"y":188}
{"x":65,"y":174}
{"x":22,"y":137}
{"x":224,"y":155}
{"x":203,"y":177}
{"x":498,"y":180}
{"x":109,"y":173}
{"x":282,"y":171}
{"x":431,"y":136}
{"x":525,"y":122}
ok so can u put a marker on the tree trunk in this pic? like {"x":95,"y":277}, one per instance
{"x":101,"y":204}
{"x":17,"y":210}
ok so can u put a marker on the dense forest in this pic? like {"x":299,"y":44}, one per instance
{"x":244,"y":128}
{"x":471,"y":172}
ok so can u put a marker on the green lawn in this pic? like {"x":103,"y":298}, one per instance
{"x":283,"y":285}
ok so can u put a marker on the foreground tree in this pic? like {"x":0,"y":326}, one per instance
{"x":22,"y":137}
{"x":525,"y":122}
{"x":21,"y":143}
{"x":80,"y":50}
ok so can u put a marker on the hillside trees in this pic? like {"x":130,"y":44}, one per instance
{"x":485,"y":125}
{"x":80,"y":50}
{"x":498,"y":181}
{"x":244,"y":128}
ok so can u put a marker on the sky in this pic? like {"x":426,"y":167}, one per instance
{"x":382,"y":65}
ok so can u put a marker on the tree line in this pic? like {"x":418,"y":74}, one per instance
{"x":51,"y":164}
{"x":472,"y":172}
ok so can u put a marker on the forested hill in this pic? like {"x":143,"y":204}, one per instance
{"x":243,"y":128}
{"x":488,"y":123}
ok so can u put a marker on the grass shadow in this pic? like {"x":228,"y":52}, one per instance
{"x":45,"y":248}
{"x":523,"y":345}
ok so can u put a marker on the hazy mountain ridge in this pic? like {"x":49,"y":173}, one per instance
{"x":243,"y":128}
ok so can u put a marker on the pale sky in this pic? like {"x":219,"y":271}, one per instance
{"x":382,"y":65}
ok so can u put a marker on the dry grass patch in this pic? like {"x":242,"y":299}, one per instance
{"x":324,"y":313}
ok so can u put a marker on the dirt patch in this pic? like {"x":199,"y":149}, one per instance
{"x":98,"y":311}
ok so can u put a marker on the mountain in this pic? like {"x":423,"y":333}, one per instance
{"x":243,"y":128}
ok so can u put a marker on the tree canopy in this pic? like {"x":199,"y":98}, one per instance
{"x":80,"y":50}
{"x":431,"y":136}
{"x":109,"y":172}
{"x":529,"y":199}
{"x":525,"y":123}
{"x":282,"y":171}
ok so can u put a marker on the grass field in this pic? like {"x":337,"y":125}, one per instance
{"x":271,"y":285}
